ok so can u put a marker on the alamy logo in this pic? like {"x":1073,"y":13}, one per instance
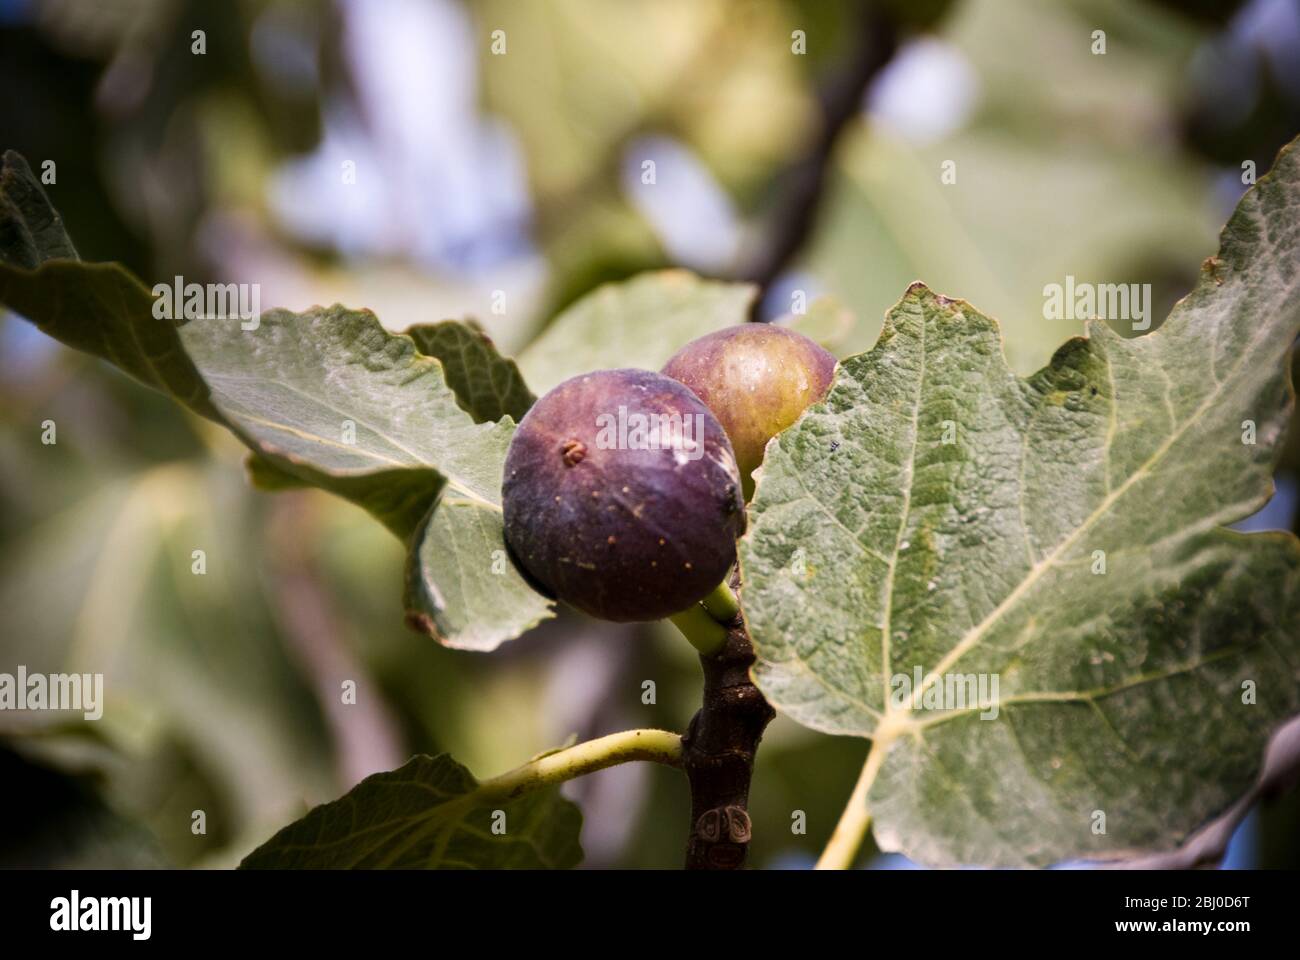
{"x":681,"y":433}
{"x":219,"y":301}
{"x":54,"y":691}
{"x":952,"y":691}
{"x":75,"y":912}
{"x":1105,"y":301}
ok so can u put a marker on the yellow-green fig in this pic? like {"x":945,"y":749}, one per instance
{"x":757,"y":379}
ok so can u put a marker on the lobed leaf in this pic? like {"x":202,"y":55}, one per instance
{"x":325,"y":398}
{"x":332,"y":398}
{"x":1063,"y":534}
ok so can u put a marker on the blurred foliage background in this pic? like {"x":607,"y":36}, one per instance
{"x":513,"y":179}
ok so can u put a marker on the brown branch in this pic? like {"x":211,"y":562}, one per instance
{"x":802,"y":184}
{"x":365,"y":733}
{"x":718,"y":755}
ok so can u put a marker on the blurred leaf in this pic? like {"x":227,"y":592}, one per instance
{"x":826,"y":320}
{"x":30,"y":230}
{"x":203,"y":702}
{"x":577,"y":80}
{"x":327,"y":397}
{"x":580,"y":83}
{"x":1120,"y":692}
{"x":606,"y":242}
{"x":431,"y":814}
{"x":639,"y":323}
{"x":800,"y":771}
{"x":65,"y":824}
{"x":1057,"y":170}
{"x":487,"y":385}
{"x":1047,"y":210}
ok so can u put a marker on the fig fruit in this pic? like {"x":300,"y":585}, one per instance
{"x":756,"y":378}
{"x":621,"y":495}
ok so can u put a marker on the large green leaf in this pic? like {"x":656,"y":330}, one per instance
{"x":325,"y":398}
{"x":638,"y":323}
{"x":333,"y":398}
{"x":430,"y":813}
{"x":876,"y":548}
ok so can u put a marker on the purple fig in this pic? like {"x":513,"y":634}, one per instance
{"x":621,"y":495}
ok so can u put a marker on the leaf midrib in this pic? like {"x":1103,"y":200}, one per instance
{"x":886,"y":654}
{"x":452,"y":481}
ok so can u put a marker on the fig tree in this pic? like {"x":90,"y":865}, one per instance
{"x":756,"y":378}
{"x":621,"y":495}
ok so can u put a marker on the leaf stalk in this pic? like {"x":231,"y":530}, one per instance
{"x":659,"y":746}
{"x":851,"y":830}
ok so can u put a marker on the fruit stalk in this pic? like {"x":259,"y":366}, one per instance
{"x":718,"y":754}
{"x":703,"y":623}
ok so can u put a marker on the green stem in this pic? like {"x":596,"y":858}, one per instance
{"x":660,"y":746}
{"x":705,"y":634}
{"x":722,"y":603}
{"x":703,"y":623}
{"x":849,"y":833}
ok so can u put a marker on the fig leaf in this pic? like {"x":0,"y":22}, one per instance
{"x":428,"y":814}
{"x":325,"y":398}
{"x":1063,"y":535}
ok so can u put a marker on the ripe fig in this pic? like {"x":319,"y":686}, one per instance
{"x":621,"y":495}
{"x":756,"y":378}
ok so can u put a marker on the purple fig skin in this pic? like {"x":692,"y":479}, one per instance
{"x":757,"y":379}
{"x":621,"y":534}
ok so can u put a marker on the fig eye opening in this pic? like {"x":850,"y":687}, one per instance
{"x":573,"y":452}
